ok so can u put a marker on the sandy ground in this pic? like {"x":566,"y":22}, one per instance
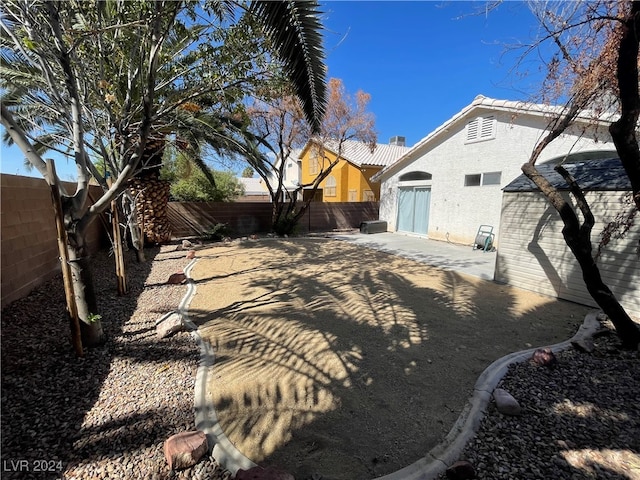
{"x":350,"y":363}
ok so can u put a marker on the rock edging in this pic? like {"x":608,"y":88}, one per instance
{"x":443,"y":455}
{"x":220,"y":447}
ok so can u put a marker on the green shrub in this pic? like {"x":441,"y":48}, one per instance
{"x":217,"y":232}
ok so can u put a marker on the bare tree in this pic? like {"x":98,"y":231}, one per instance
{"x":280,"y":126}
{"x":596,"y":68}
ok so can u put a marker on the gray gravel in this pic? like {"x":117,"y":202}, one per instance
{"x":107,"y":415}
{"x":581,"y":420}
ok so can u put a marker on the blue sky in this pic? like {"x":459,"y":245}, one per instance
{"x":421,"y":61}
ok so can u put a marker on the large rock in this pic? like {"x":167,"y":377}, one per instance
{"x":461,"y":470}
{"x":261,"y":473}
{"x":505,"y":403}
{"x":544,"y":357}
{"x":185,"y":449}
{"x":584,"y":344}
{"x":177,"y":278}
{"x":169,"y":325}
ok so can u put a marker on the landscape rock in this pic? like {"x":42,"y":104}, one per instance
{"x":191,"y":254}
{"x":584,"y":345}
{"x":185,"y":449}
{"x":544,"y":357}
{"x":169,"y":325}
{"x":261,"y":473}
{"x":506,"y":403}
{"x":461,"y":470}
{"x":177,"y":278}
{"x":186,"y":245}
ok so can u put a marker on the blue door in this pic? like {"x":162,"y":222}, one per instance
{"x":413,"y":209}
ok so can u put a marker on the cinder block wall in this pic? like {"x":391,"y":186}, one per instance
{"x":28,"y":247}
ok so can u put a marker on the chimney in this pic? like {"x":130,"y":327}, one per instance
{"x":399,"y":141}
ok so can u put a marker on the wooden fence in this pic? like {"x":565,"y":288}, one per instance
{"x":29,"y":253}
{"x":245,"y":218}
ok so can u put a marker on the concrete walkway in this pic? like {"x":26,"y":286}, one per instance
{"x":448,"y":256}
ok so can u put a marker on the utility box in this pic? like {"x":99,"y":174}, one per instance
{"x":373,"y":226}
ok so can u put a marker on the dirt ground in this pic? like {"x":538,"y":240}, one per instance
{"x":350,"y":363}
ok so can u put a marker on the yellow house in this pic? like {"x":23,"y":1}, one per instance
{"x":350,"y":178}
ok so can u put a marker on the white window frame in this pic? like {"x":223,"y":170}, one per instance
{"x":482,"y":180}
{"x":330,"y":185}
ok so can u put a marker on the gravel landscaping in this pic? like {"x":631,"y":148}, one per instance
{"x":107,"y":415}
{"x":580,"y":420}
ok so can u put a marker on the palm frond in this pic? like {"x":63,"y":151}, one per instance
{"x":294,"y":29}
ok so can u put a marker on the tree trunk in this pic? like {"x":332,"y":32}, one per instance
{"x":152,"y":200}
{"x":627,"y":330}
{"x":85,"y":296}
{"x":133,"y":227}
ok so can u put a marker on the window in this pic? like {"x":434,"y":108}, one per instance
{"x":491,"y":178}
{"x":314,"y":161}
{"x":477,"y":179}
{"x":330,"y":186}
{"x":481,"y":128}
{"x":368,"y":196}
{"x":314,"y":165}
{"x":472,"y":180}
{"x":412,"y":176}
{"x":353,"y":195}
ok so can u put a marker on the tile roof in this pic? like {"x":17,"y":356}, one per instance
{"x":253,"y":186}
{"x":482,"y":102}
{"x":606,"y":174}
{"x":359,"y":153}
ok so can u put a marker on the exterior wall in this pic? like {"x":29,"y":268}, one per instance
{"x":348,"y":177}
{"x":28,"y":243}
{"x":194,"y":218}
{"x":456,"y":211}
{"x":29,"y":238}
{"x":534,"y":256}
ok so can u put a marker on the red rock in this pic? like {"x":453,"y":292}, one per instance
{"x":191,"y":254}
{"x":544,"y":357}
{"x":261,"y":473}
{"x":177,"y":278}
{"x":461,"y":470}
{"x":185,"y":449}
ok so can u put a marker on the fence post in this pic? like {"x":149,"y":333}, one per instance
{"x":117,"y":245}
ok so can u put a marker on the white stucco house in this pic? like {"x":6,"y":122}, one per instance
{"x":291,"y":173}
{"x":450,"y":183}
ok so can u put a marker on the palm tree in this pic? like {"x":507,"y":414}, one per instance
{"x":113,"y":79}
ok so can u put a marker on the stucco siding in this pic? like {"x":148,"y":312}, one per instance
{"x":533,"y":254}
{"x":456,"y":210}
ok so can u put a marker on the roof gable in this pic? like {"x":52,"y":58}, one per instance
{"x":484,"y":104}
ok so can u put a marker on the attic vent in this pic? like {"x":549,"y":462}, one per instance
{"x":481,"y":128}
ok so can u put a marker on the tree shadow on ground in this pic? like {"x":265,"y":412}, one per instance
{"x":350,"y":363}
